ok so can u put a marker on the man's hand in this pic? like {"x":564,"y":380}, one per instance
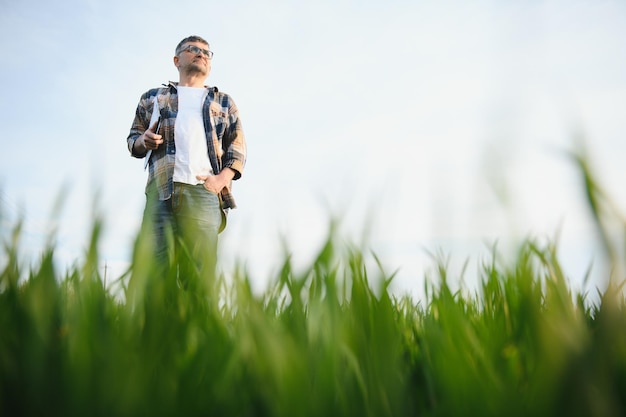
{"x":215,"y":183}
{"x":149,"y":140}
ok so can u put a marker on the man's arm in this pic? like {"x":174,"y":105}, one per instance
{"x":234,"y":157}
{"x":142,"y":137}
{"x":235,"y":152}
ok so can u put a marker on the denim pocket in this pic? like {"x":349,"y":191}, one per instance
{"x":210,"y":192}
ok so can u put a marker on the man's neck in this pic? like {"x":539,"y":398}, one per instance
{"x":192,"y":80}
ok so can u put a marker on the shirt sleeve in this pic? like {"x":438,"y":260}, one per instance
{"x":140,"y":122}
{"x":234,"y":143}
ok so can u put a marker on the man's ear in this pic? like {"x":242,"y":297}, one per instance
{"x":176,"y":61}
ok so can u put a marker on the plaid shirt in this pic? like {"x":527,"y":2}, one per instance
{"x":224,"y":136}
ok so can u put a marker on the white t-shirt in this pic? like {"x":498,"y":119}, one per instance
{"x":189,"y":135}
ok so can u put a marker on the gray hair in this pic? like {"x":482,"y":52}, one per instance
{"x":188,"y":39}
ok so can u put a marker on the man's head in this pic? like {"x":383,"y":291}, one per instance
{"x":193,"y":56}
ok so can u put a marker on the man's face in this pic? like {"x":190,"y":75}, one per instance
{"x":193,"y":61}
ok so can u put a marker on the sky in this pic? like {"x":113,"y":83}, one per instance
{"x":424,"y":127}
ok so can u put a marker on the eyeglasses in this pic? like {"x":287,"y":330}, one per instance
{"x":196,"y":50}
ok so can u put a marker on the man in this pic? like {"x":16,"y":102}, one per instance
{"x":195,"y":149}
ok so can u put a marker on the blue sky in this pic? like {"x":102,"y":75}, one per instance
{"x":405,"y":119}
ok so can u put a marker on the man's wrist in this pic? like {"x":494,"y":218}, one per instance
{"x":228,"y":173}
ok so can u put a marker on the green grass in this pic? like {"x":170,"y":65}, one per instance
{"x":331,"y":340}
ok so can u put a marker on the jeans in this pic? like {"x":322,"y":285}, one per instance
{"x":184,"y":230}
